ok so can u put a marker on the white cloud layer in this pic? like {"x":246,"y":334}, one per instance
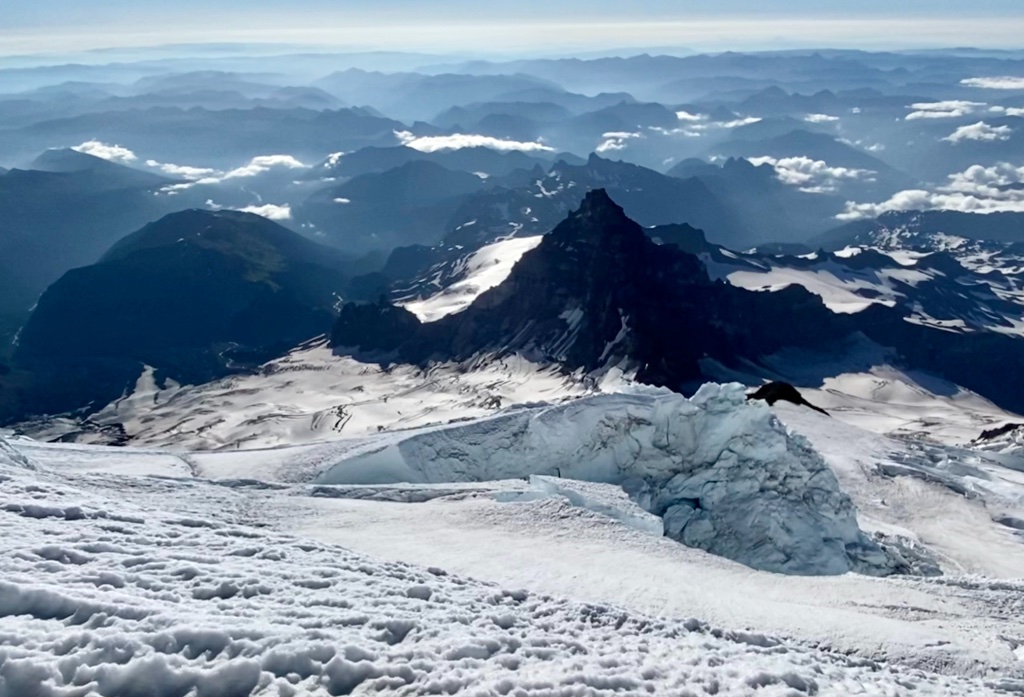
{"x":820,"y":118}
{"x":1008,"y":110}
{"x":978,"y":189}
{"x":458,"y":141}
{"x":1004,"y":82}
{"x":114,"y":153}
{"x":264,"y":163}
{"x":980,"y":131}
{"x":812,"y":176}
{"x":183,"y":171}
{"x":949,"y":109}
{"x":258,"y":165}
{"x":687,"y":116}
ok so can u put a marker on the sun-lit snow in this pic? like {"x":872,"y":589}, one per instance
{"x":480,"y":271}
{"x":120,"y":567}
{"x":311,"y":395}
{"x":134,"y":585}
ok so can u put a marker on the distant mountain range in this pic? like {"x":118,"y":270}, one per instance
{"x":64,"y":213}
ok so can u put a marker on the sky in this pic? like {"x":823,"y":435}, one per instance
{"x":526,"y":26}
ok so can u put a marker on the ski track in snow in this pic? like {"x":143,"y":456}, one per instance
{"x":153,"y":586}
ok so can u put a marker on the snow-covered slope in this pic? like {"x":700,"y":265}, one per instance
{"x":138,"y":586}
{"x":311,"y":395}
{"x":953,"y":292}
{"x":456,"y":288}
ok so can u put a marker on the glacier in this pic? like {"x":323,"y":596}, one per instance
{"x":121,"y":585}
{"x":722,"y":473}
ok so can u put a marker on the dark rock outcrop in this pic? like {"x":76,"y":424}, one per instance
{"x":597,"y":292}
{"x":773,"y":392}
{"x":194,"y":295}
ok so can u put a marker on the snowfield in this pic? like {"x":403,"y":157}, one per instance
{"x":309,"y":396}
{"x":148,"y":585}
{"x":475,"y":558}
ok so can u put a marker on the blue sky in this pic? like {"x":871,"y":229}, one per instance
{"x":520,"y":25}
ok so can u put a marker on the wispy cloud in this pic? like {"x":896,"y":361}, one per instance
{"x":183,"y":171}
{"x":687,"y":116}
{"x":267,"y":210}
{"x":202,"y":176}
{"x":701,"y":126}
{"x":615,"y":140}
{"x":820,"y":118}
{"x":736,"y":123}
{"x":458,"y":141}
{"x":114,"y":153}
{"x":980,"y":131}
{"x":949,"y":109}
{"x":810,"y":175}
{"x":264,"y":163}
{"x":1004,"y":82}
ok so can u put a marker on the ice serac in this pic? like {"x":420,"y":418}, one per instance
{"x":723,"y":474}
{"x":9,"y":456}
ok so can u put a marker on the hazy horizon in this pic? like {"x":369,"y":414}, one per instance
{"x":529,"y":28}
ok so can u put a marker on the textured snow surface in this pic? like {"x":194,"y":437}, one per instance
{"x":311,"y":395}
{"x":723,"y":473}
{"x":142,"y":586}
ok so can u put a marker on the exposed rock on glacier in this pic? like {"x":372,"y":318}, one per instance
{"x":723,"y":474}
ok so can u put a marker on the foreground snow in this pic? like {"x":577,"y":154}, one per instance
{"x":140,"y":586}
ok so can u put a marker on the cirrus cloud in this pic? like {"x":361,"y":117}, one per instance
{"x":458,"y":141}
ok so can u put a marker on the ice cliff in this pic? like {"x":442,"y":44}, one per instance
{"x":723,"y":474}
